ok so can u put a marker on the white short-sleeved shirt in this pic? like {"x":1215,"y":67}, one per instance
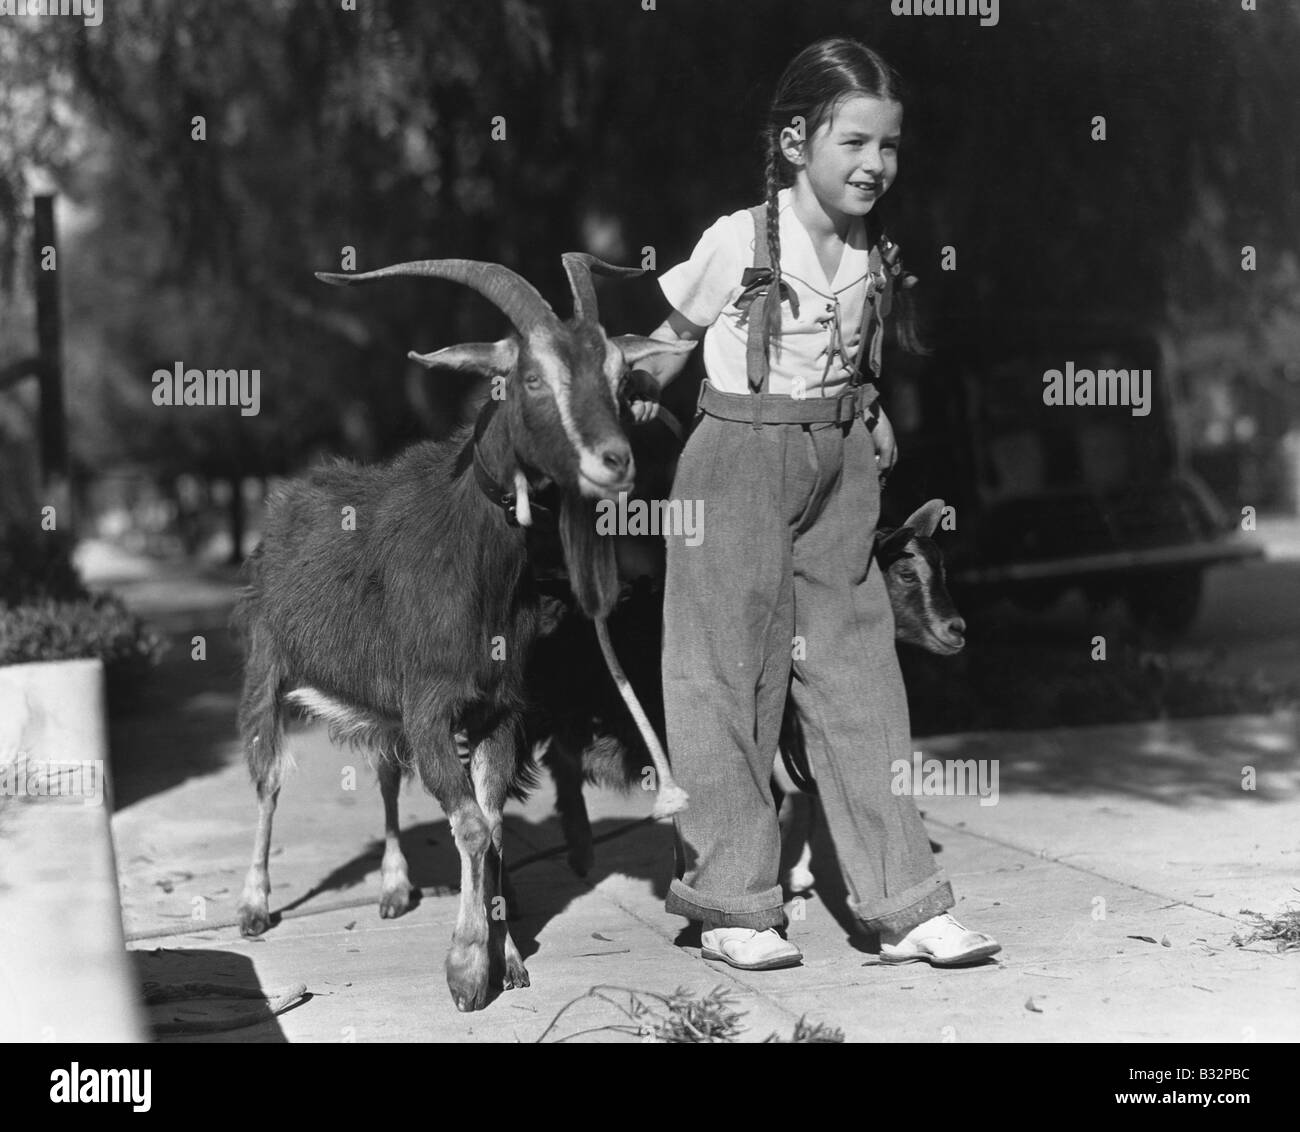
{"x":705,"y":287}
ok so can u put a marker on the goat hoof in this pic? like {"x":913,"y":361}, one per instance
{"x":253,"y":919}
{"x":801,"y":883}
{"x":467,"y":976}
{"x":395,"y":902}
{"x":516,"y":975}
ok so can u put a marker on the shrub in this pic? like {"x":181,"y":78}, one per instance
{"x":98,"y":626}
{"x":35,"y":568}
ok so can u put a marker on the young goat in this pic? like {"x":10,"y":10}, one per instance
{"x":588,"y":738}
{"x":396,"y":603}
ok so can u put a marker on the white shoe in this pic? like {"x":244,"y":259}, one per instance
{"x":941,"y":942}
{"x":748,"y":949}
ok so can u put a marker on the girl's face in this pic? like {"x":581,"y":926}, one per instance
{"x":852,"y":157}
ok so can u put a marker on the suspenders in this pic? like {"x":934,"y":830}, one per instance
{"x":875,"y":307}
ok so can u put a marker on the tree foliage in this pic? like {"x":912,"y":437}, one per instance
{"x":624,"y":129}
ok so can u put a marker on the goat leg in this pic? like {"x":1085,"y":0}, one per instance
{"x":433,"y":740}
{"x":797,"y":817}
{"x":565,"y":766}
{"x":491,"y":769}
{"x":671,"y":798}
{"x":395,"y":893}
{"x":254,"y":902}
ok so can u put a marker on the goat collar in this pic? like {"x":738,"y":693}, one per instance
{"x":502,"y":495}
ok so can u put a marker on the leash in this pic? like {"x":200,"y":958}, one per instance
{"x":521,"y":510}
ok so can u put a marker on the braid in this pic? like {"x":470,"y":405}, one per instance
{"x":906,"y":324}
{"x":772,"y":186}
{"x":810,"y":88}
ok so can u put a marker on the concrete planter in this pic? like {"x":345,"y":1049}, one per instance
{"x":64,"y":974}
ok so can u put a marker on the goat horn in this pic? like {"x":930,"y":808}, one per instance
{"x":517,"y":299}
{"x":578,"y":266}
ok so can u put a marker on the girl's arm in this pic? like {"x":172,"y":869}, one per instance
{"x":654,"y":375}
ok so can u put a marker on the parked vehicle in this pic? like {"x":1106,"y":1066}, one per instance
{"x":1053,"y":496}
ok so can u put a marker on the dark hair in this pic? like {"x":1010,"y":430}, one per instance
{"x":816,"y":80}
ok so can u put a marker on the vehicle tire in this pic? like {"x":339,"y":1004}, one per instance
{"x":1166,"y":601}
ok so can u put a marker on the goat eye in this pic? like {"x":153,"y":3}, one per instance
{"x":532,"y":381}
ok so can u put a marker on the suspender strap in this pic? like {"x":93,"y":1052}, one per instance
{"x":879,"y":300}
{"x":756,"y":362}
{"x":875,"y":309}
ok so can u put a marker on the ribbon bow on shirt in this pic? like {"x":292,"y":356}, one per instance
{"x":891,"y":261}
{"x":755,"y":282}
{"x":885,"y":272}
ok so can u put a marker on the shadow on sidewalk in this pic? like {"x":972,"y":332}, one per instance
{"x":1174,"y":762}
{"x":203,"y":1012}
{"x":183,"y":725}
{"x":540,"y":884}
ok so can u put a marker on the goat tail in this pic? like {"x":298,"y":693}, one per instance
{"x":261,"y":711}
{"x":671,"y":798}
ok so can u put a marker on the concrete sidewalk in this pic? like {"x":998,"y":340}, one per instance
{"x":1113,"y":869}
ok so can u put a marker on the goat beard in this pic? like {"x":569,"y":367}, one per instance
{"x":589,"y":558}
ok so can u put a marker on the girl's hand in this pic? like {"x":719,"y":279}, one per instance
{"x":886,"y":446}
{"x":642,"y":393}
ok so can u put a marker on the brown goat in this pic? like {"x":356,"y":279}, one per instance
{"x":396,"y":603}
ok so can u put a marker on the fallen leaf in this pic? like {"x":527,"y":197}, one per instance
{"x":1029,"y":1005}
{"x":348,"y":927}
{"x":1164,"y":941}
{"x":1143,"y":938}
{"x":602,"y":938}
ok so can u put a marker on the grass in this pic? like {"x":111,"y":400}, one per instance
{"x":1282,"y":930}
{"x":680,"y":1018}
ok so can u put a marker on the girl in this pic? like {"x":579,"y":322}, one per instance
{"x":780,"y":596}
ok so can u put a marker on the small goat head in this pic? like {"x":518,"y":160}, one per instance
{"x":924,"y":613}
{"x":560,"y":399}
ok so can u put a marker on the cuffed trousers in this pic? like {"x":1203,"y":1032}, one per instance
{"x":781,"y":596}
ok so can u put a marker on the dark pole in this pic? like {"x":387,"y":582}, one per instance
{"x":54,"y":433}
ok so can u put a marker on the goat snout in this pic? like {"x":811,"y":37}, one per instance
{"x":608,"y":469}
{"x":953,"y":632}
{"x":616,"y":458}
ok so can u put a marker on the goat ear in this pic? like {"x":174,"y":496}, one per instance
{"x":489,"y":358}
{"x":650,"y":354}
{"x":925,"y":519}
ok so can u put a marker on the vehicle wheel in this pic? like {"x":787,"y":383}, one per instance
{"x":1166,"y":601}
